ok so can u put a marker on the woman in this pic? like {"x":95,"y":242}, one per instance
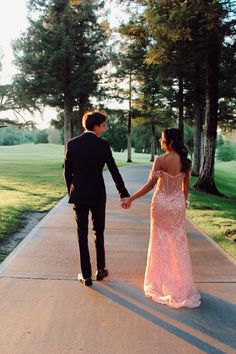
{"x":168,"y":276}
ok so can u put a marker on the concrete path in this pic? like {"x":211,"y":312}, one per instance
{"x":45,"y":310}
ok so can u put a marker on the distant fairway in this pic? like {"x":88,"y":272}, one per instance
{"x":31,"y":179}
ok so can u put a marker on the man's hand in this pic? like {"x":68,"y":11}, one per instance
{"x":125,"y":203}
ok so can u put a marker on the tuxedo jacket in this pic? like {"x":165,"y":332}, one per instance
{"x":85,"y":158}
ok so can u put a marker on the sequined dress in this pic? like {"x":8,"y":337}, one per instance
{"x":168,"y":277}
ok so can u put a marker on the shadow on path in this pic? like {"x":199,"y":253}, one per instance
{"x":211,"y":318}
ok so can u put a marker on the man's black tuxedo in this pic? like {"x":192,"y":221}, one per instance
{"x":85,"y":158}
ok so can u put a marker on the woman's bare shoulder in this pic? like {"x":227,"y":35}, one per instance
{"x":157,"y":165}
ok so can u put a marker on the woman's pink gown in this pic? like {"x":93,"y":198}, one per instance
{"x":168,"y":276}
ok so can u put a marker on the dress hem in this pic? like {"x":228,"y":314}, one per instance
{"x":193,"y":302}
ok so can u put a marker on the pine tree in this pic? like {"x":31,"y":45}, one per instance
{"x":181,"y":33}
{"x":60,"y":55}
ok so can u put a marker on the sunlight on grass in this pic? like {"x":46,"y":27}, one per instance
{"x":30,"y":180}
{"x":217,"y":215}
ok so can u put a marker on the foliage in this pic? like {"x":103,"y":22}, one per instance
{"x":219,"y":141}
{"x":16,"y":101}
{"x":188,"y":139}
{"x":11,"y":135}
{"x":76,"y":127}
{"x":41,"y":137}
{"x":226,"y":152}
{"x":54,"y":136}
{"x":182,"y":43}
{"x":60,"y":54}
{"x":15,"y":135}
{"x":116,"y":132}
{"x":141,"y":139}
{"x":227,"y":84}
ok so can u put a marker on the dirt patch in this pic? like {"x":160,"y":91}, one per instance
{"x":28,"y":222}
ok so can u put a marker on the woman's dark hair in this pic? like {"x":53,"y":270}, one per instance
{"x":90,"y":119}
{"x":174,"y":140}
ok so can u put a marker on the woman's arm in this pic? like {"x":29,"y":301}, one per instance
{"x":148,"y":186}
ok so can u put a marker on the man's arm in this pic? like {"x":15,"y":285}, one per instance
{"x":110,"y":162}
{"x":68,"y":169}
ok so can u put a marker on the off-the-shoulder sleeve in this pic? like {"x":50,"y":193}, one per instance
{"x":154,"y":175}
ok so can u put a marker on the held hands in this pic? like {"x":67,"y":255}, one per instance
{"x":125,"y":203}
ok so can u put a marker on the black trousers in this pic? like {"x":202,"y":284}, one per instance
{"x":98,"y":219}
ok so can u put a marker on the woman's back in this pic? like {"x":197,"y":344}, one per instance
{"x":170,"y":175}
{"x":171,"y":163}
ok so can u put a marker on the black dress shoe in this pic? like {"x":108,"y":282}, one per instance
{"x":87,"y":281}
{"x":101,"y":274}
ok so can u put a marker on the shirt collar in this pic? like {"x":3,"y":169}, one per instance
{"x":89,"y":131}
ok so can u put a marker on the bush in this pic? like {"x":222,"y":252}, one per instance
{"x":54,"y":136}
{"x":141,"y":139}
{"x":226,"y":152}
{"x":14,"y":135}
{"x":116,"y":134}
{"x":41,"y":137}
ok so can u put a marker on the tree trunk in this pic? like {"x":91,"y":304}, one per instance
{"x":129,"y":158}
{"x":67,"y":120}
{"x":181,"y":105}
{"x":197,"y":122}
{"x":153,"y":142}
{"x":68,"y":106}
{"x":206,"y":181}
{"x":83,"y":107}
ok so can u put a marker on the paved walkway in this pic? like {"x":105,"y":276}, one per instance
{"x":45,"y":310}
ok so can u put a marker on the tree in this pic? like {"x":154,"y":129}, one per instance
{"x":227,"y":86}
{"x":125,"y":63}
{"x":179,"y":30}
{"x":41,"y":137}
{"x":60,"y":55}
{"x":216,"y":30}
{"x":226,"y":152}
{"x":116,"y":133}
{"x":146,"y":104}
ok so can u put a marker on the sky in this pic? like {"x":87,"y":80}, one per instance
{"x":13,"y":21}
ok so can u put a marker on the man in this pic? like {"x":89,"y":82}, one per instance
{"x":85,"y":158}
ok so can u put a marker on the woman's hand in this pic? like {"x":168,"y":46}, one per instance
{"x":126,"y":203}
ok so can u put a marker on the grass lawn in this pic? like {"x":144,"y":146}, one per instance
{"x":217,"y":215}
{"x":31,"y":180}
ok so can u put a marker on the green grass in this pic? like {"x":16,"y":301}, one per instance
{"x":31,"y":180}
{"x":137,"y":158}
{"x":217,"y":215}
